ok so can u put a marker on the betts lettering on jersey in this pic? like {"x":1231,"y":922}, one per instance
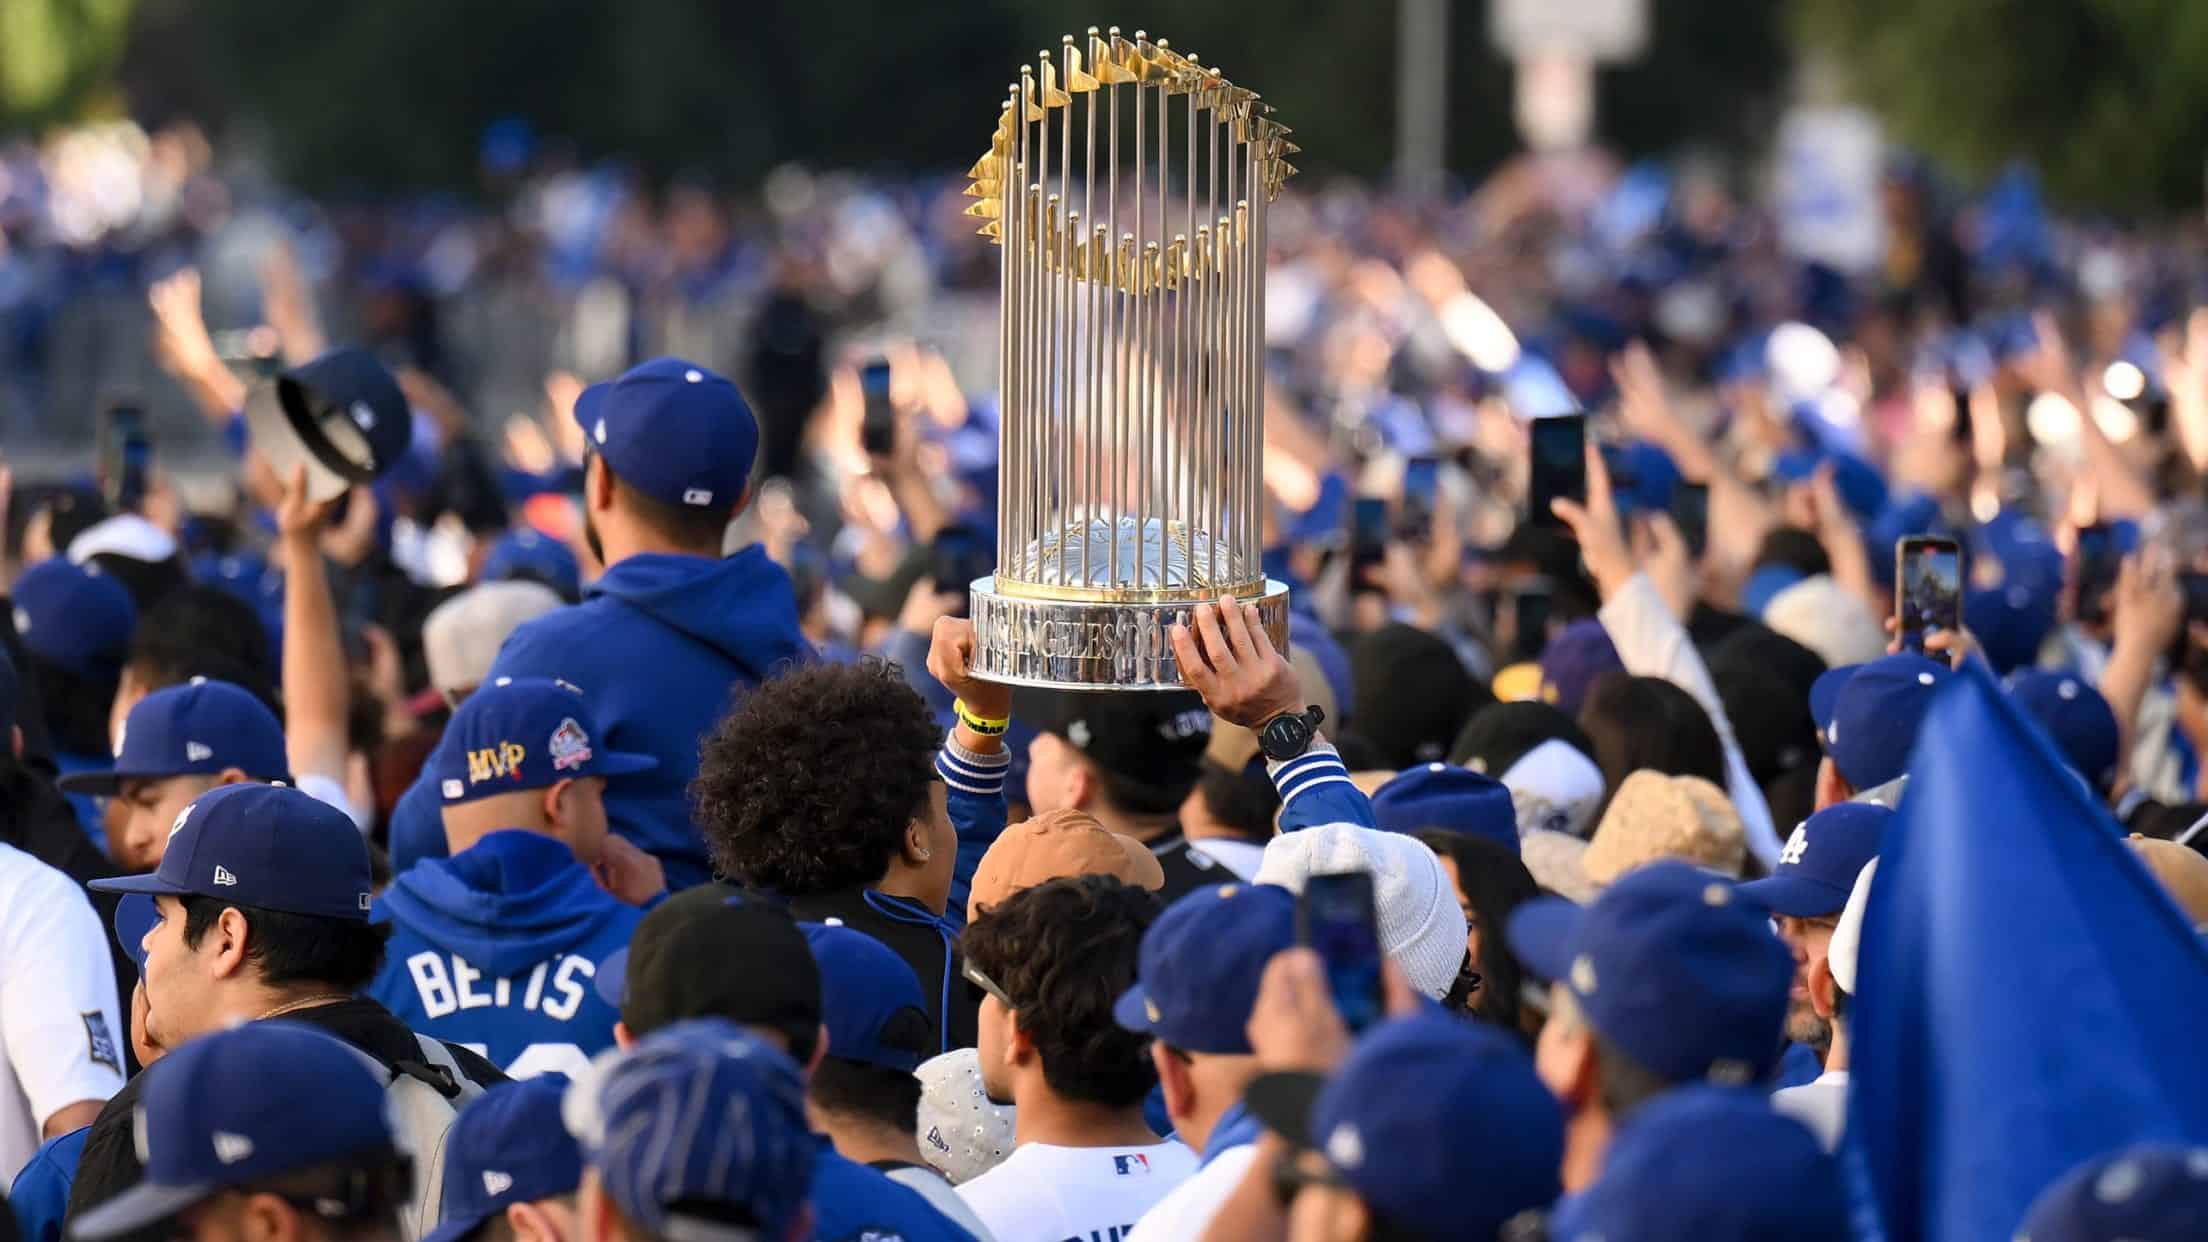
{"x":447,"y":984}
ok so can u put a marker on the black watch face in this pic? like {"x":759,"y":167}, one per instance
{"x":1287,"y":735}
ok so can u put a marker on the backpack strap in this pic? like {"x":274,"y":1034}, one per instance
{"x":437,"y":1068}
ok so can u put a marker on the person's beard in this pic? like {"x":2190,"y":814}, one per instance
{"x":590,"y":537}
{"x":1803,"y":1026}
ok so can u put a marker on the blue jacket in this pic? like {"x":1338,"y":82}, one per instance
{"x":1315,"y":789}
{"x":851,"y":1201}
{"x":498,"y":948}
{"x":40,"y":1196}
{"x":657,"y":647}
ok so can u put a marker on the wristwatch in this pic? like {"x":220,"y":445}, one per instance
{"x":1289,"y":734}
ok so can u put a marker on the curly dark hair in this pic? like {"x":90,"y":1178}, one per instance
{"x":1064,"y":951}
{"x":808,"y":785}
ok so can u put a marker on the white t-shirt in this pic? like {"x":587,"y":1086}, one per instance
{"x":60,"y":1029}
{"x":1043,"y":1193}
{"x":936,"y":1189}
{"x":1183,"y":1215}
{"x":1821,"y":1104}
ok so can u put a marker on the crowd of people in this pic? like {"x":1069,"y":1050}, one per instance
{"x":594,"y":830}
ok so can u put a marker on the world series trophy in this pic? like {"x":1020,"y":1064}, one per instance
{"x":1130,"y":483}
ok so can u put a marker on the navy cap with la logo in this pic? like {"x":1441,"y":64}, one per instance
{"x":1200,"y":964}
{"x":521,"y":733}
{"x":239,"y":1107}
{"x":674,"y":431}
{"x":267,"y":846}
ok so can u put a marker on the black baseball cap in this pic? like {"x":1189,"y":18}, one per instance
{"x":1150,"y":737}
{"x":716,"y":952}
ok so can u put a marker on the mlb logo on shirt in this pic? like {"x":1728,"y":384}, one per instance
{"x":1130,"y":1165}
{"x":101,"y":1044}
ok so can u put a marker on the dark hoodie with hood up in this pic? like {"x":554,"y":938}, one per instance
{"x":659,"y":647}
{"x":498,"y":948}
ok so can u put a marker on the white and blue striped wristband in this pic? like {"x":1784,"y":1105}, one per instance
{"x":969,"y":772}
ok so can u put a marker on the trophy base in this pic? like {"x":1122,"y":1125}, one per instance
{"x":1089,"y":645}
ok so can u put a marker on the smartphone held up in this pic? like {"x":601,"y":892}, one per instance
{"x":1928,"y":588}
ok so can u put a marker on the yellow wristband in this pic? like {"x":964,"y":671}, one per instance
{"x":980,"y":724}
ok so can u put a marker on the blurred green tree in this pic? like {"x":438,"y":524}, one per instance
{"x":378,"y":97}
{"x":57,"y":57}
{"x":2109,"y":98}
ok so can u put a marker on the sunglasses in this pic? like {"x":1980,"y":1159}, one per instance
{"x":988,"y":985}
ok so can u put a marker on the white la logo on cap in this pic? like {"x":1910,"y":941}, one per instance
{"x":224,"y":878}
{"x":697,"y":496}
{"x":178,"y":825}
{"x":497,"y":1183}
{"x":122,"y":731}
{"x":22,"y":620}
{"x":231,"y":1148}
{"x":598,"y":431}
{"x":363,"y":417}
{"x":1796,"y":846}
{"x":197,"y":751}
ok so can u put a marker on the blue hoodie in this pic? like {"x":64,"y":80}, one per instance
{"x":657,"y":648}
{"x":498,"y":947}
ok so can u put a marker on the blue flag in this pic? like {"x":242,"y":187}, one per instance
{"x":2029,"y":994}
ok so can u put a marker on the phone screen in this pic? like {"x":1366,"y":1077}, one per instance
{"x":878,"y":431}
{"x":129,"y":457}
{"x":1368,"y":530}
{"x":1559,"y":470}
{"x":1690,"y":512}
{"x":1335,"y":919}
{"x":1928,"y":587}
{"x":1421,"y":483}
{"x":2100,"y":556}
{"x":957,"y":557}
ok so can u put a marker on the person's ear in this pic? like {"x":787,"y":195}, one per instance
{"x":1832,"y":789}
{"x":820,"y":1051}
{"x":267,"y":1218}
{"x":918,"y":849}
{"x":1019,"y":1046}
{"x":1586,"y":1073}
{"x":531,"y":1223}
{"x":230,"y":937}
{"x":621,"y":1037}
{"x":597,"y":485}
{"x":1082,"y":786}
{"x":1174,"y":1080}
{"x":555,"y":803}
{"x":231,"y":776}
{"x":1823,"y":988}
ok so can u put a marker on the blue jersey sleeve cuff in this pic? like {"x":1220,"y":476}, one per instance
{"x":1317,"y":767}
{"x":971,"y":772}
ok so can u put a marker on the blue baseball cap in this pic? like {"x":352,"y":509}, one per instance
{"x":1659,"y":1183}
{"x":674,"y":431}
{"x":1453,"y":799}
{"x":526,"y":551}
{"x":135,"y":918}
{"x":507,"y":1146}
{"x":268,"y":846}
{"x":695,"y":1114}
{"x":1861,"y":487}
{"x":522,"y":733}
{"x":1579,"y":653}
{"x":1438,"y":1124}
{"x":1817,"y":869}
{"x":1200,"y":963}
{"x":2148,"y":1192}
{"x":2075,"y":715}
{"x":870,"y":1000}
{"x":241,"y":1106}
{"x":1867,"y":714}
{"x":1765,"y":584}
{"x":342,"y":416}
{"x":74,"y":617}
{"x":200,"y":728}
{"x":1672,"y":967}
{"x":2009,"y":622}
